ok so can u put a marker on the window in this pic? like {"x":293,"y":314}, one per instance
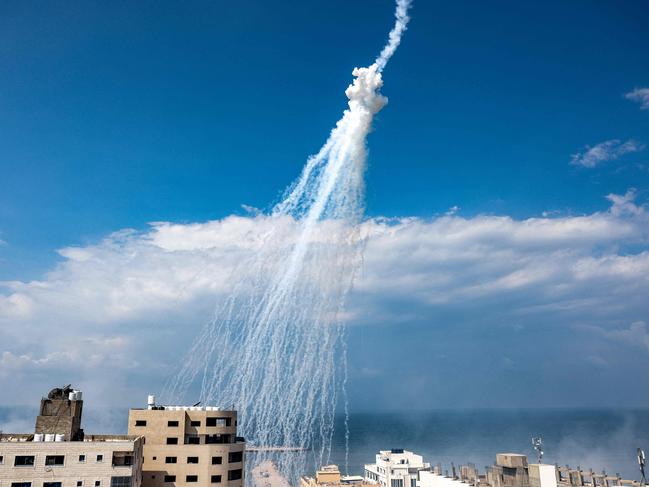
{"x":79,"y":483}
{"x":170,"y":478}
{"x":100,"y":458}
{"x":155,"y":458}
{"x":192,"y":440}
{"x":216,"y":479}
{"x":2,"y":459}
{"x":234,"y":474}
{"x":139,"y":422}
{"x":171,"y":460}
{"x":172,"y":424}
{"x":24,"y":461}
{"x":413,"y":482}
{"x":120,"y":482}
{"x":82,"y":458}
{"x":192,"y":459}
{"x":172,"y":441}
{"x":97,"y":483}
{"x":191,"y":478}
{"x":218,"y":439}
{"x":55,"y":460}
{"x":194,"y":423}
{"x":235,"y":456}
{"x":218,"y":421}
{"x":217,"y":460}
{"x":51,"y":484}
{"x":21,"y":484}
{"x":396,"y":483}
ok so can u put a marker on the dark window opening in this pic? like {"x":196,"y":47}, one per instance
{"x":120,"y":482}
{"x":218,"y":421}
{"x":21,"y":484}
{"x":100,"y":458}
{"x":212,"y":439}
{"x":192,"y":459}
{"x":192,"y":440}
{"x":170,"y":478}
{"x":82,"y":458}
{"x":217,"y":460}
{"x":191,"y":478}
{"x":51,"y":484}
{"x":216,"y":479}
{"x":194,"y":423}
{"x":97,"y":483}
{"x":171,"y":460}
{"x":140,"y":422}
{"x":234,"y":474}
{"x":172,"y":441}
{"x":172,"y":424}
{"x":235,"y":456}
{"x":79,"y":483}
{"x":24,"y":461}
{"x":57,"y":460}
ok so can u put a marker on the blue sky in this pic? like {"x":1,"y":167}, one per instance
{"x":114,"y":116}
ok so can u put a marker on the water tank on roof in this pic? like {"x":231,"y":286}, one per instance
{"x":49,"y":437}
{"x":59,"y":437}
{"x":38,"y":437}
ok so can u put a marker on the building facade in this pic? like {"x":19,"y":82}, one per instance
{"x":395,"y":468}
{"x":59,"y":454}
{"x":329,"y":476}
{"x":189,"y":446}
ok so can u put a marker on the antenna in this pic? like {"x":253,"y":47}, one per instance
{"x":641,"y":462}
{"x":537,"y":443}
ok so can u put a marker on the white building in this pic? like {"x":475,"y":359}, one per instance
{"x":432,"y":479}
{"x":395,"y":468}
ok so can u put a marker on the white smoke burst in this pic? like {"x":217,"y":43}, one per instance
{"x":275,"y":347}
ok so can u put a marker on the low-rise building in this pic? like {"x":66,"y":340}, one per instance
{"x":330,"y":476}
{"x":59,"y":454}
{"x":395,"y":468}
{"x":189,"y":446}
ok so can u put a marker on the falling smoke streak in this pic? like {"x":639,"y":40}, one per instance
{"x":275,"y":348}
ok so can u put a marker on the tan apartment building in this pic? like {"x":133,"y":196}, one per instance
{"x":189,"y":446}
{"x":329,"y":476}
{"x":59,"y":454}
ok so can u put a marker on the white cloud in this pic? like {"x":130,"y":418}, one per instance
{"x":134,"y":300}
{"x":640,"y":95}
{"x":609,"y":150}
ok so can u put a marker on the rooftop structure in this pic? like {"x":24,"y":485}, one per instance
{"x":58,"y":454}
{"x":395,"y":468}
{"x":329,"y":476}
{"x":189,"y":446}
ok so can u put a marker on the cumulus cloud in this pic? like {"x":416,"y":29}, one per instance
{"x":609,"y":150}
{"x":131,"y":303}
{"x":640,"y":95}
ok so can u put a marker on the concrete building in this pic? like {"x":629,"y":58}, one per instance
{"x":542,"y":475}
{"x":59,"y":454}
{"x":510,"y":470}
{"x":329,"y":476}
{"x":435,"y":479}
{"x":189,"y":446}
{"x":395,"y":468}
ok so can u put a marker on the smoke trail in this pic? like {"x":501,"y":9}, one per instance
{"x":400,"y":26}
{"x":274,"y":348}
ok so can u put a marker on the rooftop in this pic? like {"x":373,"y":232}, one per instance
{"x":29,"y":438}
